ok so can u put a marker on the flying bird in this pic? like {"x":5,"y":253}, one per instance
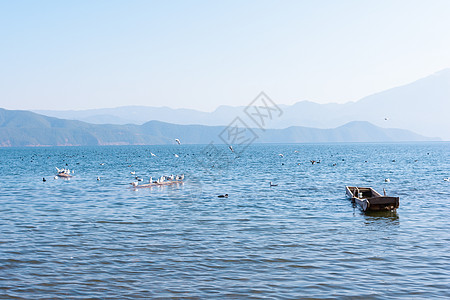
{"x":231,"y":148}
{"x":178,"y":141}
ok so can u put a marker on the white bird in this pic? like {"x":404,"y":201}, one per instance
{"x":272,"y":184}
{"x":178,"y":141}
{"x":98,"y":178}
{"x":152,"y":154}
{"x":182,"y":176}
{"x":387,"y":180}
{"x":102,"y":164}
{"x":133,"y":173}
{"x":56,"y":177}
{"x":447,"y":179}
{"x":281,"y":155}
{"x":176,"y":155}
{"x":151,"y":180}
{"x":134,"y":184}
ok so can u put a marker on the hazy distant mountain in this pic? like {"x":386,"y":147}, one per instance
{"x":422,"y":106}
{"x":24,"y":128}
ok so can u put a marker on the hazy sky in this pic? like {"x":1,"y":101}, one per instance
{"x":202,"y":54}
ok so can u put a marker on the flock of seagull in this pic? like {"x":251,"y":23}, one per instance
{"x":160,"y":180}
{"x":165,"y":178}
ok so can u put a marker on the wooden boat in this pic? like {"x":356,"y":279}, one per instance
{"x":370,"y":200}
{"x":153,"y":184}
{"x":63,"y":173}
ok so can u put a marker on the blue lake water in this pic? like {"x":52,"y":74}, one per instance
{"x":83,"y":238}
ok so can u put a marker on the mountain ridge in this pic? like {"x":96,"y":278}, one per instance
{"x":421,"y":106}
{"x":24,"y":128}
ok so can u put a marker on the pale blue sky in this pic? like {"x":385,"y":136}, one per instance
{"x":202,"y":54}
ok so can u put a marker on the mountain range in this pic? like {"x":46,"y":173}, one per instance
{"x":25,"y":128}
{"x":421,"y":106}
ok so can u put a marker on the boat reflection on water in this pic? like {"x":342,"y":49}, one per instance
{"x":385,"y":217}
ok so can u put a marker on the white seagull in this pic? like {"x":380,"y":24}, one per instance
{"x":178,"y":141}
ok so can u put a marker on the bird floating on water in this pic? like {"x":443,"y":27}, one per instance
{"x":272,"y":184}
{"x":133,"y":172}
{"x":178,"y":141}
{"x":176,"y":155}
{"x":281,"y":155}
{"x":312,"y":161}
{"x":43,"y":179}
{"x":152,"y":154}
{"x":98,"y":178}
{"x":387,"y":180}
{"x":223,"y":196}
{"x":447,"y":179}
{"x":134,"y":184}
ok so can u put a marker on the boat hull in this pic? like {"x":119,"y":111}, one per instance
{"x":165,"y":183}
{"x":64,"y":175}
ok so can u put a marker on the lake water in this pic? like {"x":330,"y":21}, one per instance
{"x":83,"y":238}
